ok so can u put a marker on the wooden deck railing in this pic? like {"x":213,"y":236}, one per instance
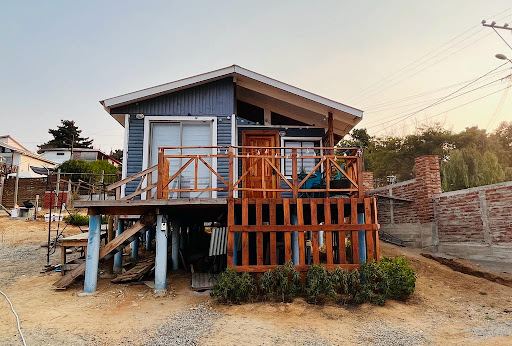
{"x":258,"y":171}
{"x":276,"y":231}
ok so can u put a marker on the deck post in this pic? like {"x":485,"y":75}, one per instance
{"x":148,"y":238}
{"x":93,"y":253}
{"x":118,"y":257}
{"x":295,"y":239}
{"x":162,"y":230}
{"x":361,"y":236}
{"x":135,"y":250}
{"x":175,"y":239}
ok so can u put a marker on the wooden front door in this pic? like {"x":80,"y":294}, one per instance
{"x":261,"y":174}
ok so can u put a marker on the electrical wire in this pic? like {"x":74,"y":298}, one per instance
{"x":376,"y":85}
{"x":441,"y":100}
{"x":17,"y":318}
{"x":444,"y":98}
{"x":462,"y":105}
{"x":496,"y":31}
{"x":499,"y":107}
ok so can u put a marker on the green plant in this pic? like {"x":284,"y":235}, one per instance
{"x":374,"y":284}
{"x":281,"y":283}
{"x":400,"y":277}
{"x":319,"y":284}
{"x":233,"y":287}
{"x":76,"y":219}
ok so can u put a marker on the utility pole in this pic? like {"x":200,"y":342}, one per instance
{"x":502,"y":27}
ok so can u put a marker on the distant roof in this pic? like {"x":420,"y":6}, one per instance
{"x":26,"y":153}
{"x":348,"y":115}
{"x":80,"y":150}
{"x":9,"y":137}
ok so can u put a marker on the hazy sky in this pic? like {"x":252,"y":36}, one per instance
{"x":59,"y":58}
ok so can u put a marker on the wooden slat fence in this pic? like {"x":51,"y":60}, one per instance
{"x":267,"y":228}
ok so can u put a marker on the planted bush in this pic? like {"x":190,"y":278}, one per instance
{"x":234,"y":287}
{"x":319,"y":284}
{"x":374,"y":284}
{"x":400,"y":277}
{"x":346,"y":284}
{"x":281,"y":283}
{"x":76,"y":219}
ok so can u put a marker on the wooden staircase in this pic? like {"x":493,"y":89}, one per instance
{"x":117,"y":244}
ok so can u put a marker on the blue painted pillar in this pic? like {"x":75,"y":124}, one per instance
{"x":162,"y":230}
{"x":295,"y":240}
{"x":235,"y":244}
{"x":148,"y":239}
{"x":135,"y":249}
{"x":93,"y":254}
{"x":118,"y":257}
{"x":175,"y":239}
{"x":361,"y":236}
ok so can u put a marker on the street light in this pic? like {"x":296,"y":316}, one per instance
{"x":502,"y":57}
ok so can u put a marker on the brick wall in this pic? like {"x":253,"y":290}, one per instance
{"x":28,"y":188}
{"x":473,"y":223}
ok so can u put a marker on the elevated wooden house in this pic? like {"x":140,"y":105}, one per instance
{"x":240,"y":166}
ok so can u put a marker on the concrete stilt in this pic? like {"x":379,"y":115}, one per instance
{"x":162,"y":230}
{"x":175,"y":239}
{"x":93,"y":254}
{"x":135,"y":250}
{"x":295,"y":239}
{"x":118,"y":257}
{"x":361,"y":236}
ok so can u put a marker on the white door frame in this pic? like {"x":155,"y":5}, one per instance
{"x":159,"y":118}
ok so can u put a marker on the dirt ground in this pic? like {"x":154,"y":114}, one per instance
{"x":447,"y":308}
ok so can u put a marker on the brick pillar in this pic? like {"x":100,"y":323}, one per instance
{"x":368,"y":181}
{"x":428,"y":181}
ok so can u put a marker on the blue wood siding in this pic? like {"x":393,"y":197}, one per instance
{"x":134,"y":155}
{"x":212,"y":99}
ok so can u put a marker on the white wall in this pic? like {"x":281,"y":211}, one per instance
{"x":58,"y":159}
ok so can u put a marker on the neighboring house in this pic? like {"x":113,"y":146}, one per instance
{"x":59,"y":155}
{"x":16,"y":155}
{"x":238,"y":150}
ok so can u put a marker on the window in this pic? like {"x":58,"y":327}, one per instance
{"x":304,"y":148}
{"x":60,"y":154}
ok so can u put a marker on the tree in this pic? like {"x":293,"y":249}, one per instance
{"x":455,"y":172}
{"x":67,"y":135}
{"x":117,"y":154}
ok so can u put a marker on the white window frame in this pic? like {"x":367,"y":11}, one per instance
{"x":162,"y":119}
{"x":296,"y":139}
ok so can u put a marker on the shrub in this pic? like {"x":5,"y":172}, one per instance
{"x":346,"y":284}
{"x":233,"y":287}
{"x":374,"y":284}
{"x":281,"y":283}
{"x":400,"y":277}
{"x":319,"y":284}
{"x":77,"y":219}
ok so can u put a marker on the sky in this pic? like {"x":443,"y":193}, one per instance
{"x":59,"y":58}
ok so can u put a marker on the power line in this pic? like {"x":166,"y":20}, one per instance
{"x":376,"y":86}
{"x":447,"y":96}
{"x":498,"y":108}
{"x":462,"y":105}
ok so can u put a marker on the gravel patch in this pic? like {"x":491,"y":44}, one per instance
{"x":186,"y":328}
{"x":383,"y":334}
{"x":21,"y":260}
{"x":492,"y":330}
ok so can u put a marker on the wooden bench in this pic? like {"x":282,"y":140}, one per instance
{"x":77,"y":240}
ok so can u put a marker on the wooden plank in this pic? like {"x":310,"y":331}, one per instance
{"x":196,"y":175}
{"x":341,"y":234}
{"x":177,"y":173}
{"x":294,"y":186}
{"x":139,"y":192}
{"x":311,"y":172}
{"x":231,"y":236}
{"x":245,"y":235}
{"x":314,"y":221}
{"x":370,"y":255}
{"x":278,"y":172}
{"x":130,"y":178}
{"x":308,"y":228}
{"x":354,"y":241}
{"x":272,"y":222}
{"x":328,"y":234}
{"x":375,"y":222}
{"x":259,"y":235}
{"x":287,"y":235}
{"x":231,"y":173}
{"x":300,"y":222}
